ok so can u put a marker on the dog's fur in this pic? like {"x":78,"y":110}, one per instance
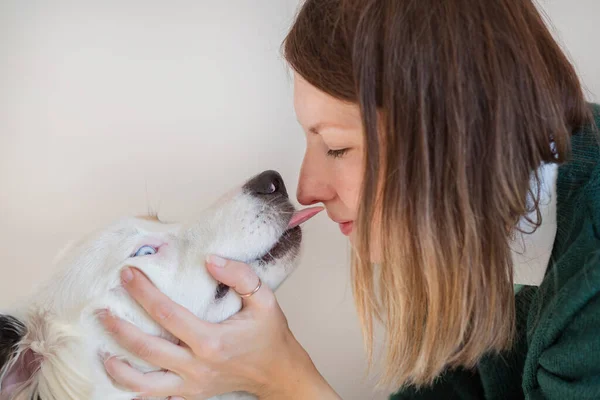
{"x":49,"y":347}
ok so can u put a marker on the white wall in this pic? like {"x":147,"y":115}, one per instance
{"x":108,"y":108}
{"x":575,"y":25}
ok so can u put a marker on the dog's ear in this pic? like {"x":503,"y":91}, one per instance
{"x":17,"y":365}
{"x":11,"y":332}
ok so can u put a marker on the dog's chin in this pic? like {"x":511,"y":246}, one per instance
{"x":287,"y":244}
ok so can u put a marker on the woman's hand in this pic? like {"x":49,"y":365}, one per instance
{"x":253,"y":351}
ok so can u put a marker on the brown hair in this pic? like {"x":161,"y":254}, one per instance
{"x":460,"y":100}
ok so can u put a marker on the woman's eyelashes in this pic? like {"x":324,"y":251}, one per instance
{"x":337,"y":153}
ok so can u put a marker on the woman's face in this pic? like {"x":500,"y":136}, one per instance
{"x":333,"y":163}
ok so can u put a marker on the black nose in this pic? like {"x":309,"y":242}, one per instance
{"x":266,"y":183}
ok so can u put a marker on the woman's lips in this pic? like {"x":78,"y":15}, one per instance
{"x":346,"y":227}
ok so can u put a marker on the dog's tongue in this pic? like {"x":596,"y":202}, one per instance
{"x":302,"y":216}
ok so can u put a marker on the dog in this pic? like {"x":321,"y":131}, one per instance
{"x":50,"y":346}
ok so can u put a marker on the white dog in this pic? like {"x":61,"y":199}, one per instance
{"x":49,"y":347}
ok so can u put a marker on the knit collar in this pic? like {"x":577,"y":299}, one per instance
{"x":531,"y":250}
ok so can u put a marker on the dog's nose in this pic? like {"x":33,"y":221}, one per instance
{"x":267,"y":183}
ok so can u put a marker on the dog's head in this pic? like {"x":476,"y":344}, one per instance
{"x":255,"y":224}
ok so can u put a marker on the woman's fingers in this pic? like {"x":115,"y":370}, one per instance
{"x":160,"y":383}
{"x":175,"y":318}
{"x":241,"y":278}
{"x":152,"y":349}
{"x":204,"y":345}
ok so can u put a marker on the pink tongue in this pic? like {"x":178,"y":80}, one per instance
{"x":302,"y":216}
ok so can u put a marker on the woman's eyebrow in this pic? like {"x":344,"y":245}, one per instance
{"x":322,"y":125}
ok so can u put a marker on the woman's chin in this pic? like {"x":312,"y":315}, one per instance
{"x":376,"y":255}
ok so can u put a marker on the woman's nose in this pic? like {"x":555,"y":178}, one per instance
{"x":313,"y":185}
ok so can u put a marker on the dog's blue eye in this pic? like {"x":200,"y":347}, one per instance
{"x":145,"y":251}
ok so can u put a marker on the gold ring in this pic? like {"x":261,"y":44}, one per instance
{"x":246,"y":295}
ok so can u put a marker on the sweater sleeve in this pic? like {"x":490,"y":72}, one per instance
{"x":570,"y":368}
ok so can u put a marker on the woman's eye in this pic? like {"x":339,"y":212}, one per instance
{"x":145,"y":251}
{"x":337,"y":153}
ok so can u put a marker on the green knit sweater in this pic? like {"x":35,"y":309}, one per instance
{"x":557,"y":352}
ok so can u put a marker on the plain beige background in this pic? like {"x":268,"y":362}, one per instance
{"x":109,"y":108}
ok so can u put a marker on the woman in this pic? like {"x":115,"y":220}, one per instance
{"x":425,"y":121}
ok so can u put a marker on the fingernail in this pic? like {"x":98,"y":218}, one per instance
{"x":108,"y":358}
{"x":216,"y":260}
{"x":126,"y":275}
{"x":101,"y":314}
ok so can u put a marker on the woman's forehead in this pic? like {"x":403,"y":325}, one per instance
{"x":316,"y":109}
